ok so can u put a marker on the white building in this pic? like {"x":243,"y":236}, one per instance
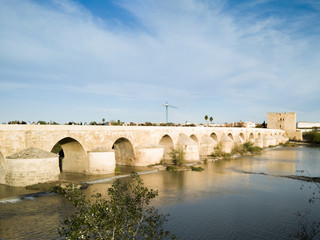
{"x":307,"y":126}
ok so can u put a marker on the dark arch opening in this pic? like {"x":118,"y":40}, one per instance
{"x":194,"y":138}
{"x":251,"y":136}
{"x":241,"y":137}
{"x":214,"y":137}
{"x":230,"y":136}
{"x":124,"y":153}
{"x":167,"y":143}
{"x":72,"y":156}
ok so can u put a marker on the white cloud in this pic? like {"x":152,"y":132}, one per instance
{"x":185,"y":51}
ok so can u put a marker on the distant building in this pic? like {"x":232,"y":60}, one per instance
{"x":238,"y":124}
{"x":308,"y":126}
{"x":249,"y":125}
{"x":286,"y":122}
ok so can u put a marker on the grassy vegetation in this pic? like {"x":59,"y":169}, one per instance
{"x":312,"y":137}
{"x":171,"y":168}
{"x":197,"y":169}
{"x":241,"y":149}
{"x":289,"y":144}
{"x":117,"y":169}
{"x":245,"y":148}
{"x":218,"y":152}
{"x":177,"y":156}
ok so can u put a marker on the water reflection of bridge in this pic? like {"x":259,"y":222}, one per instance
{"x":97,"y":149}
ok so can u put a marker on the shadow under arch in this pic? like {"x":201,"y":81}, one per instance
{"x":124,"y":152}
{"x":214,"y":137}
{"x":241,"y":136}
{"x":251,"y":137}
{"x":72,"y":156}
{"x":230,"y":136}
{"x":194,"y":138}
{"x":167,"y":142}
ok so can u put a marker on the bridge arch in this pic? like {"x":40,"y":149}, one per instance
{"x":124,"y":152}
{"x":72,"y":156}
{"x":194,"y":138}
{"x":230,"y":136}
{"x":167,"y":142}
{"x":251,"y":137}
{"x":242,"y":138}
{"x":214,"y":137}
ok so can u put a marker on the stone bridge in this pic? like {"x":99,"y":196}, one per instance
{"x":97,"y":149}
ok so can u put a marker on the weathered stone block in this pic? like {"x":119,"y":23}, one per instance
{"x":148,"y":155}
{"x":101,"y":162}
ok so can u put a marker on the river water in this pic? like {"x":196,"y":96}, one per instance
{"x":243,"y":198}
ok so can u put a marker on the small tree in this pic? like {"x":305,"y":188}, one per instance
{"x":264,"y":125}
{"x":177,"y":156}
{"x":211,"y":119}
{"x":206,"y":117}
{"x":125,"y":215}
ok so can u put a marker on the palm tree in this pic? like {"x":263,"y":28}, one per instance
{"x":206,"y":117}
{"x":211,"y":119}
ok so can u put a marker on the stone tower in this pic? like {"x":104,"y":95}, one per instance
{"x":286,"y":122}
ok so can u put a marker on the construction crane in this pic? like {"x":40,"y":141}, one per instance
{"x":167,"y":106}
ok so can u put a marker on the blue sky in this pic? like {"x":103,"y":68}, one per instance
{"x":64,"y":60}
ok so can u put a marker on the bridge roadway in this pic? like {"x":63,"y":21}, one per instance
{"x":97,"y":149}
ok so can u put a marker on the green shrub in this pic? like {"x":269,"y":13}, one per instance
{"x":218,"y":152}
{"x":171,"y":168}
{"x":238,"y":149}
{"x":249,"y":147}
{"x":177,"y":156}
{"x":117,"y":169}
{"x":312,"y":137}
{"x":289,"y":144}
{"x":205,"y":161}
{"x":197,"y":169}
{"x":125,"y":214}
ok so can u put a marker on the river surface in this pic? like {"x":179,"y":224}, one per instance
{"x":242,"y":198}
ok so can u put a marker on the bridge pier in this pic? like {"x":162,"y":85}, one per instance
{"x":190,"y":148}
{"x":266,"y":141}
{"x":101,"y":162}
{"x":259,"y":142}
{"x":148,"y":155}
{"x":31,"y":166}
{"x":227,"y":143}
{"x":207,"y":146}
